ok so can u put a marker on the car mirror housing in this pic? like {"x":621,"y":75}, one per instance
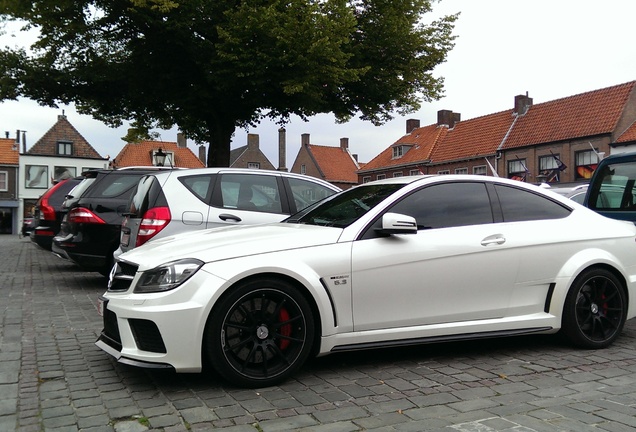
{"x":395,"y":223}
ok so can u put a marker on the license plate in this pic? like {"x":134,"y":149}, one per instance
{"x":125,"y":239}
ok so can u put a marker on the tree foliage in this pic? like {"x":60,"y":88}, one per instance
{"x":210,"y":66}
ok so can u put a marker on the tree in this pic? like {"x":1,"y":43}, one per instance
{"x":210,"y":66}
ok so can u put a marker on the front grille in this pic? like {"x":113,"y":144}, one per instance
{"x":121,"y":276}
{"x":147,"y":336}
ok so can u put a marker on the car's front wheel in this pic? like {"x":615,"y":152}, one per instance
{"x":260,"y":333}
{"x":595,"y":309}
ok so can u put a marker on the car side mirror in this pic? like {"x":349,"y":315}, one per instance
{"x":395,"y":223}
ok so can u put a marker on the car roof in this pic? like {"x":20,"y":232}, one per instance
{"x":215,"y":170}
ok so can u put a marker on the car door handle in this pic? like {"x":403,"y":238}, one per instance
{"x":226,"y":216}
{"x":493,"y":239}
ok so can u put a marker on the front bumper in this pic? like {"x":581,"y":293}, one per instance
{"x":159,"y":330}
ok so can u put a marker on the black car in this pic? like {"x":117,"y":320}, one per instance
{"x":48,"y":212}
{"x":90,"y":232}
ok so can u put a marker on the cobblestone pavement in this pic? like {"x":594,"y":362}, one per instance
{"x":53,"y":377}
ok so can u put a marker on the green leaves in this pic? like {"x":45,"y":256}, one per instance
{"x":210,"y":66}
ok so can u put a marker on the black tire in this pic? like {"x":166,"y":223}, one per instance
{"x":595,"y":309}
{"x":260,"y":333}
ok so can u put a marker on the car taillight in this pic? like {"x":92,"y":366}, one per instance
{"x":84,"y":215}
{"x":47,"y":212}
{"x":153,"y":221}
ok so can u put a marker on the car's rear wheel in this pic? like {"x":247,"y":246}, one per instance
{"x":260,"y":333}
{"x":595,"y":309}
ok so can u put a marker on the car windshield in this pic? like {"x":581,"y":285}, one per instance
{"x":342,"y":209}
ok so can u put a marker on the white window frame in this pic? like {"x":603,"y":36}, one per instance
{"x":254,"y":165}
{"x":398,"y":174}
{"x":4,"y":180}
{"x":443,"y":172}
{"x":461,"y":170}
{"x":366,"y":179}
{"x":380,"y":176}
{"x":480,"y":170}
{"x":303,"y":169}
{"x":414,"y":172}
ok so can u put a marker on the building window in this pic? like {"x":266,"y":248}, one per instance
{"x":62,"y":173}
{"x":461,"y":171}
{"x":381,"y":176}
{"x":64,"y":148}
{"x":36,"y":176}
{"x":517,"y":169}
{"x":397,"y":174}
{"x":414,"y":172}
{"x":586,"y":163}
{"x":366,"y":179}
{"x":443,"y":172}
{"x":398,"y":151}
{"x":480,"y":170}
{"x":253,"y":165}
{"x":4,"y":181}
{"x":303,"y":169}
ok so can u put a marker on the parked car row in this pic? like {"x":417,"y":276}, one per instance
{"x":103,"y":213}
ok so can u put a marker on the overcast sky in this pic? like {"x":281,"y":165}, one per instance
{"x":547,"y":48}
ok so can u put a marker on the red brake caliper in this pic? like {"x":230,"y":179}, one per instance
{"x":285,"y":330}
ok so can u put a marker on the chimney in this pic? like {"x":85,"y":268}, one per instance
{"x":252,"y":141}
{"x":202,"y":155}
{"x":182,"y":142}
{"x":304,"y":139}
{"x":522,"y":104}
{"x":412,"y":124}
{"x":6,"y":134}
{"x":447,"y":118}
{"x":282,"y":149}
{"x":344,"y":143}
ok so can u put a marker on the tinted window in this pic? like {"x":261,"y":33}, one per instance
{"x":614,"y":188}
{"x":250,"y":192}
{"x":139,"y":199}
{"x":306,"y":193}
{"x":447,"y":205}
{"x":57,"y":197}
{"x":522,"y":205}
{"x":113,"y":185}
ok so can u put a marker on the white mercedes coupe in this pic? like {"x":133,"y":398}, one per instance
{"x":403,"y":261}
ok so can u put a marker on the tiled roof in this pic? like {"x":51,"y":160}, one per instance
{"x":9,"y":153}
{"x":336,"y":163}
{"x":629,"y":135}
{"x":63,"y":130}
{"x":473,"y":138}
{"x":586,"y":114}
{"x":421,"y":140}
{"x":140,"y":154}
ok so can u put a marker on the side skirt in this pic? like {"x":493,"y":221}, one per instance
{"x":437,"y":339}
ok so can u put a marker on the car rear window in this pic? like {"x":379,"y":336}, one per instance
{"x":114,"y":185}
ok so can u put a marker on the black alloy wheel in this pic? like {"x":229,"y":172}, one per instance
{"x":260,"y":333}
{"x":595,"y":309}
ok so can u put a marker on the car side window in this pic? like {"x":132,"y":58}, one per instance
{"x":614,"y":188}
{"x":199,"y":185}
{"x":522,"y":205}
{"x":306,"y":193}
{"x":250,"y":192}
{"x":447,"y":205}
{"x":114,"y":186}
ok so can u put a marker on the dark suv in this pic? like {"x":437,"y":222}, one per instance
{"x":90,"y":233}
{"x":48,"y":212}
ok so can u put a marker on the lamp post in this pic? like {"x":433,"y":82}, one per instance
{"x":160,"y":157}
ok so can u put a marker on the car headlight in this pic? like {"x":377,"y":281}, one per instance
{"x":167,"y":276}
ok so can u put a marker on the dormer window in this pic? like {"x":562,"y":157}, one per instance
{"x":64,"y":148}
{"x":400,"y":150}
{"x":161,"y":157}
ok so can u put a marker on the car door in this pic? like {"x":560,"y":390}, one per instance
{"x":457,"y":267}
{"x":247,"y":198}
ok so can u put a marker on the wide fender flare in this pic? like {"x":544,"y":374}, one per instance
{"x":295,"y":270}
{"x":581,"y":261}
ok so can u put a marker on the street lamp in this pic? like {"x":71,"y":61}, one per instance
{"x":160,"y":157}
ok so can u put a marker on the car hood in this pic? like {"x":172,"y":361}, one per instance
{"x":226,"y":243}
